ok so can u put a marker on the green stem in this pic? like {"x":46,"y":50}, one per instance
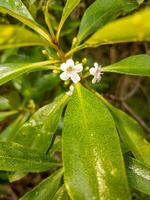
{"x":72,"y":51}
{"x":46,"y":14}
{"x":6,"y":114}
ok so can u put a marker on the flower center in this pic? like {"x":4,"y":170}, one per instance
{"x":70,"y":69}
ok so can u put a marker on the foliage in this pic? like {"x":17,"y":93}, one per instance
{"x":105,"y":153}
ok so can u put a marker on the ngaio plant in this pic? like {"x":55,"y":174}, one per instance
{"x":105,"y":154}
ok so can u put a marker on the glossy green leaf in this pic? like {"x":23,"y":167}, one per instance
{"x":38,"y":132}
{"x":131,"y":134}
{"x":138,"y":29}
{"x":93,"y":163}
{"x":13,"y":70}
{"x":138,"y":65}
{"x":46,"y":189}
{"x":100,"y":13}
{"x":14,"y":157}
{"x":17,"y":7}
{"x":11,"y":36}
{"x":69,"y":7}
{"x":138,"y":175}
{"x":19,"y":11}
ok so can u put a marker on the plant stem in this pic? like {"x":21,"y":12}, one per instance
{"x":46,"y":14}
{"x":69,"y":53}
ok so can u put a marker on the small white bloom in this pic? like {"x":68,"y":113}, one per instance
{"x":71,"y":70}
{"x":71,"y":90}
{"x":96,"y":72}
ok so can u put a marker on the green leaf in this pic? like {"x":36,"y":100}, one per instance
{"x":11,"y":36}
{"x":57,"y":147}
{"x":18,"y":10}
{"x":100,"y":13}
{"x":38,"y":132}
{"x":11,"y":129}
{"x":69,"y":7}
{"x":13,"y":70}
{"x":138,"y":30}
{"x":131,"y":134}
{"x":44,"y":84}
{"x":93,"y":163}
{"x":46,"y":189}
{"x":4,"y":103}
{"x":17,"y":7}
{"x":14,"y":157}
{"x":61,"y":194}
{"x":138,"y":175}
{"x":138,"y":65}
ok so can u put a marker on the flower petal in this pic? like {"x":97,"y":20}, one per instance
{"x":96,"y":65}
{"x":75,"y":78}
{"x":64,"y":76}
{"x":70,"y":62}
{"x":93,"y":71}
{"x":78,"y":67}
{"x":63,"y":67}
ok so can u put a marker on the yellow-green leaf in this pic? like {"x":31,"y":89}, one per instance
{"x":128,"y":29}
{"x":100,"y":13}
{"x":16,"y":36}
{"x":19,"y":11}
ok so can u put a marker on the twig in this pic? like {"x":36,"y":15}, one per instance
{"x":131,"y":112}
{"x":133,"y":91}
{"x":136,"y":116}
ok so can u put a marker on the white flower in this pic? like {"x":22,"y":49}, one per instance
{"x":96,"y":72}
{"x":71,"y":90}
{"x":70,"y":70}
